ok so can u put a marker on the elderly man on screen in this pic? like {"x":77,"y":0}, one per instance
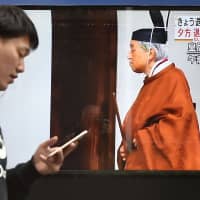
{"x":161,"y":128}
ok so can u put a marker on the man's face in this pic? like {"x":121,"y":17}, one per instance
{"x":12,"y":54}
{"x":138,"y":57}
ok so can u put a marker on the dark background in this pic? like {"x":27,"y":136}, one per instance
{"x":118,"y":185}
{"x":83,"y":79}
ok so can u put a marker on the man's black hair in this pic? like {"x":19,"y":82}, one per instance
{"x":14,"y":22}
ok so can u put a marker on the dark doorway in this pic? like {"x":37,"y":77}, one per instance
{"x":83,"y":79}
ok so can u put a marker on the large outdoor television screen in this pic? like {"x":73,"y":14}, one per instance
{"x":69,"y":81}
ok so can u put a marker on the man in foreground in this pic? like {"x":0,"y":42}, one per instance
{"x":18,"y":37}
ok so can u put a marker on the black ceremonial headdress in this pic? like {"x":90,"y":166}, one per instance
{"x":158,"y":34}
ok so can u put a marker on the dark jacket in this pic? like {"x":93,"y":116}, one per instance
{"x":16,"y":182}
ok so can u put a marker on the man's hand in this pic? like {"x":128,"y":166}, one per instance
{"x":48,"y":165}
{"x":122,"y":152}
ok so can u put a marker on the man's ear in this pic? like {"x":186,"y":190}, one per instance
{"x":152,"y":54}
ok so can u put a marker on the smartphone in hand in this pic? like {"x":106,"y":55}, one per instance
{"x":74,"y":139}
